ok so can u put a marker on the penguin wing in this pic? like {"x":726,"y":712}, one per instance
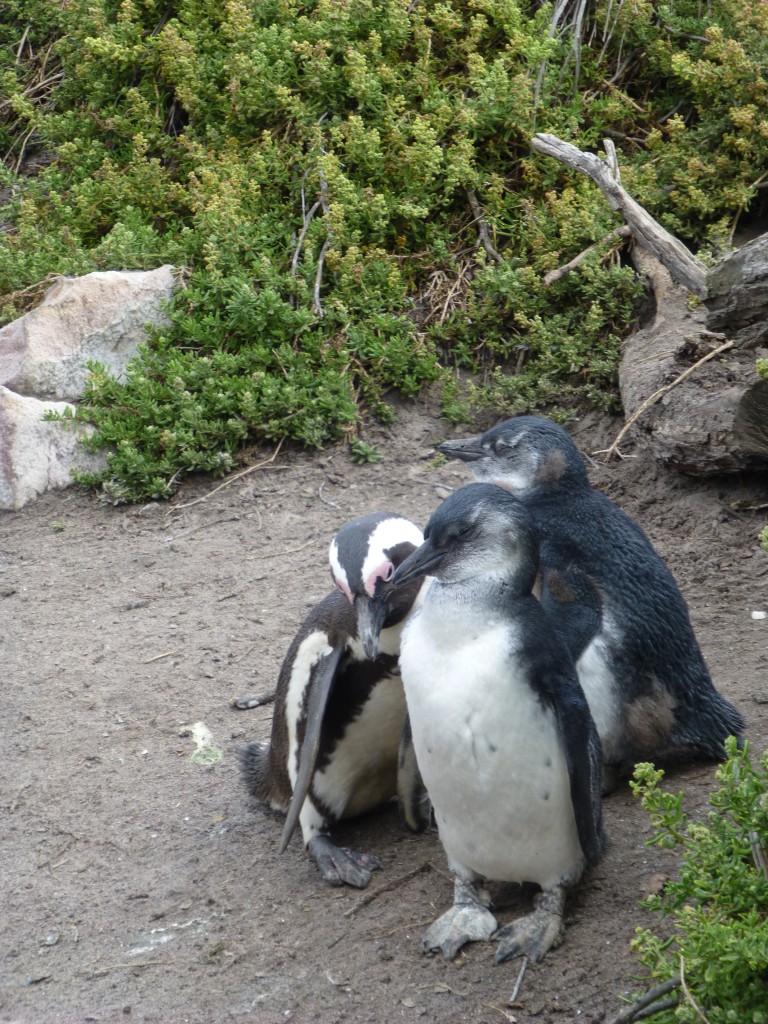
{"x":572,"y":601}
{"x":323,"y":674}
{"x":583,"y":755}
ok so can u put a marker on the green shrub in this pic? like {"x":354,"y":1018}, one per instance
{"x":313,"y":164}
{"x":719,"y":902}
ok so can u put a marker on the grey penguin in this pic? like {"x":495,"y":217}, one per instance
{"x":337,"y":746}
{"x":611,"y":598}
{"x":501,"y":729}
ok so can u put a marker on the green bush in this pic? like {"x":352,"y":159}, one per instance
{"x":313,"y":166}
{"x":719,"y":902}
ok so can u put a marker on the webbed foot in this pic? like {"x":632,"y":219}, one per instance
{"x":536,"y":933}
{"x":468,"y":920}
{"x":342,"y":867}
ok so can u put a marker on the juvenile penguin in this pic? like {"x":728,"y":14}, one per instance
{"x":339,"y":705}
{"x":501,"y":729}
{"x":611,"y":598}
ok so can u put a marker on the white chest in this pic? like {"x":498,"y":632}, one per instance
{"x":489,"y":751}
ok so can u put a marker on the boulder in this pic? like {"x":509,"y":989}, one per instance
{"x":43,"y":367}
{"x":101,"y":316}
{"x":36,"y":454}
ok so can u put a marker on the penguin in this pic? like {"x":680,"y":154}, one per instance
{"x":501,"y":729}
{"x":338,"y":746}
{"x":612,"y":600}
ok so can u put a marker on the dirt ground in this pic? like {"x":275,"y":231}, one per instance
{"x":140,"y":885}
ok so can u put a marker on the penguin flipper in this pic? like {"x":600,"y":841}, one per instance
{"x":573,"y":603}
{"x":324,"y":672}
{"x":583,"y":755}
{"x":412,"y":797}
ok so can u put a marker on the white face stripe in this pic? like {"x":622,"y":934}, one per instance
{"x":388,"y":534}
{"x":338,"y":571}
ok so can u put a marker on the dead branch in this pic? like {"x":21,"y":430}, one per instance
{"x":556,"y":275}
{"x":302,"y":235}
{"x":483,"y":231}
{"x":670,"y":251}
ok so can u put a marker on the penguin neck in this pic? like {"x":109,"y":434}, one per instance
{"x":476,"y":596}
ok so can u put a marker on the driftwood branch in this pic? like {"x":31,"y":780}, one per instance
{"x":670,"y":251}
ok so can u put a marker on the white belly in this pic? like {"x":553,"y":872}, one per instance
{"x":490,"y":755}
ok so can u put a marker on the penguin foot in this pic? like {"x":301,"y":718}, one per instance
{"x":342,"y":867}
{"x":536,"y":933}
{"x":468,"y":920}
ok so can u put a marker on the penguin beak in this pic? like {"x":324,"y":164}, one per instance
{"x":371,"y":613}
{"x":418,"y":563}
{"x":468,"y":449}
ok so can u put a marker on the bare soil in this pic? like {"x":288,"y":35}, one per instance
{"x":140,"y":885}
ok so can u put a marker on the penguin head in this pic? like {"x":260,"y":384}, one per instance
{"x":521,"y":454}
{"x":479,"y":530}
{"x":364,"y":555}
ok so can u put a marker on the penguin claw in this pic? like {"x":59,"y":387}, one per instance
{"x":340,"y":866}
{"x":536,"y":933}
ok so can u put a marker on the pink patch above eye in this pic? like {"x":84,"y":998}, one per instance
{"x":384,"y":572}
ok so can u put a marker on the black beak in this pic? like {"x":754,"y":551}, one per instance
{"x":419,"y":563}
{"x":468,"y":449}
{"x":371,"y":613}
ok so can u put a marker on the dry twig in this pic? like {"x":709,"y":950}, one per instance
{"x":229,"y":480}
{"x":652,"y":399}
{"x":560,"y":272}
{"x":387,"y":887}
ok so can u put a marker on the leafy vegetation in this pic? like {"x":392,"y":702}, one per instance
{"x":350,"y":187}
{"x":719,"y":902}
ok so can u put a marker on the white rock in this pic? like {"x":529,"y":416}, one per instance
{"x":35,"y":454}
{"x":101,"y":316}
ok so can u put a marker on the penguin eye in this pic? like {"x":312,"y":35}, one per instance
{"x":389,"y":572}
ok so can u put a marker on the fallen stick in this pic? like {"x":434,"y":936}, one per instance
{"x":560,"y":272}
{"x":387,"y":887}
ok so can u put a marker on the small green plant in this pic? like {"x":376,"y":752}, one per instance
{"x":361,"y":452}
{"x":719,"y":902}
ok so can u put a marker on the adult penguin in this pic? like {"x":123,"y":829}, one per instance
{"x":335,"y":748}
{"x":501,"y":729}
{"x":611,"y":598}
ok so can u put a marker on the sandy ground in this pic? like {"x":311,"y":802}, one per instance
{"x":140,"y":885}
